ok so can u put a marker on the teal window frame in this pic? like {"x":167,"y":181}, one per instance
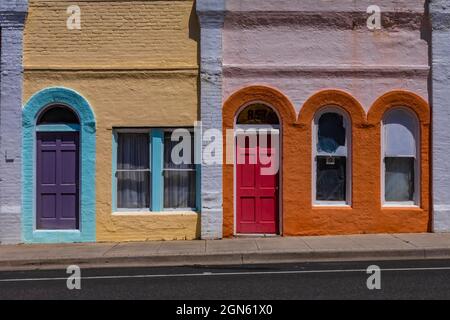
{"x":156,"y":149}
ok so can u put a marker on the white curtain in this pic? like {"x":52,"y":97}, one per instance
{"x":399,"y":179}
{"x":133,"y":176}
{"x":179,"y":180}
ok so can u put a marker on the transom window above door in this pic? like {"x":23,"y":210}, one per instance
{"x":258,"y":113}
{"x":58,"y":114}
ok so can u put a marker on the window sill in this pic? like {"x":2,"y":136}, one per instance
{"x":332,"y":206}
{"x":61,"y":231}
{"x":153,"y":213}
{"x":397,"y":206}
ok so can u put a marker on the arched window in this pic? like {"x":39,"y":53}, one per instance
{"x":258,"y":113}
{"x":58,"y":114}
{"x":331,"y":152}
{"x":400,"y":157}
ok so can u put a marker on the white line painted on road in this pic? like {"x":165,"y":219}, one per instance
{"x":211,"y":274}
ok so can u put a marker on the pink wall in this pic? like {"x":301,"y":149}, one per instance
{"x":301,"y":47}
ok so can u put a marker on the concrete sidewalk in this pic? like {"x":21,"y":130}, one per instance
{"x":228,"y":251}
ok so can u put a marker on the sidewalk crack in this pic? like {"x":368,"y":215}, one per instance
{"x":306,"y":243}
{"x":114,"y":246}
{"x":158,"y":250}
{"x":257,"y":246}
{"x":405,"y":241}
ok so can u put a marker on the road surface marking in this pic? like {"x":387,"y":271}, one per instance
{"x":206,"y":274}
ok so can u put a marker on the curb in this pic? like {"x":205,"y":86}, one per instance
{"x":227,"y":259}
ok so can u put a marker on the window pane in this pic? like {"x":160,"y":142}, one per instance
{"x":399,"y":180}
{"x":133,"y":176}
{"x":179,"y":189}
{"x":169,"y":145}
{"x":179,"y":179}
{"x":331,"y":178}
{"x":132,"y":151}
{"x":331,"y":133}
{"x":258,"y":114}
{"x":133,"y":189}
{"x":58,"y":114}
{"x":400,"y":130}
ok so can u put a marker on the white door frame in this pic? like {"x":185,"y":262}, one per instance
{"x":276,"y":129}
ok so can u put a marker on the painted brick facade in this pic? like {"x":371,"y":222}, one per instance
{"x":211,"y":16}
{"x":305,"y":55}
{"x":440,"y":96}
{"x":302,"y":47}
{"x":12,"y":16}
{"x":151,"y":63}
{"x":136,"y":63}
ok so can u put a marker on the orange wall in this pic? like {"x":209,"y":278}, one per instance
{"x":366,"y":215}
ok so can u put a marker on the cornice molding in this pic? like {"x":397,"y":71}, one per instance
{"x":242,"y":70}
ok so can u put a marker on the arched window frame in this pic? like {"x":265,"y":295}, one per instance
{"x":417,"y":172}
{"x":315,"y":153}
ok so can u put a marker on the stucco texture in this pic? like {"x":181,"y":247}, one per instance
{"x":307,"y":54}
{"x":302,"y":47}
{"x":366,"y":214}
{"x":136,"y":64}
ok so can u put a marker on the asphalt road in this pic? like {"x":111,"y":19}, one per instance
{"x":338,"y":280}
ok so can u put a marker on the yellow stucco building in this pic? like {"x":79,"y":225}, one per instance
{"x":136,"y":64}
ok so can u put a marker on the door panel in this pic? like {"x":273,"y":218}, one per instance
{"x":57,"y":181}
{"x":257,"y":194}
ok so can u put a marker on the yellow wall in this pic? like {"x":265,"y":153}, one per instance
{"x":136,"y":62}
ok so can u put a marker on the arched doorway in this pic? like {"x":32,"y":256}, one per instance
{"x":57,"y":169}
{"x":257,"y":170}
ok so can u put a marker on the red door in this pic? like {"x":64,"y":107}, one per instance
{"x":256,"y":192}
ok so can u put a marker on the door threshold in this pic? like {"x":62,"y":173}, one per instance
{"x":269,"y":235}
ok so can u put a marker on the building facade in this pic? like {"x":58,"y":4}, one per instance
{"x":99,"y":103}
{"x":347,"y":101}
{"x":344,"y":96}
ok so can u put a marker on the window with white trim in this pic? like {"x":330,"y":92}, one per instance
{"x":154,"y":170}
{"x":331,"y":157}
{"x":133,"y":170}
{"x":400,"y":157}
{"x":179,"y":170}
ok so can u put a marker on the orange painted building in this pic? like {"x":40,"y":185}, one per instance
{"x":346,"y":105}
{"x":365,"y":213}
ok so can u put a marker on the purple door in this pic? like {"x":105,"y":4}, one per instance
{"x":57,"y":187}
